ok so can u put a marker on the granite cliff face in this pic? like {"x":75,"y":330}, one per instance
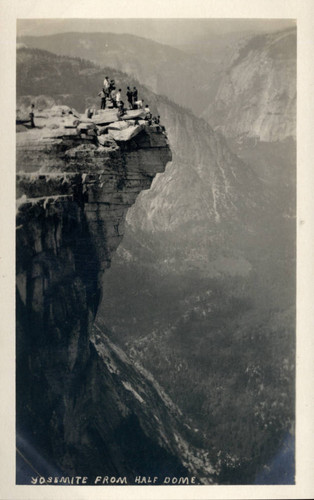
{"x":80,"y":404}
{"x":205,"y":194}
{"x":257,"y":95}
{"x":207,"y":253}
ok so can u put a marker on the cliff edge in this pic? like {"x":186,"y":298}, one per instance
{"x":81,"y":407}
{"x":256,"y":97}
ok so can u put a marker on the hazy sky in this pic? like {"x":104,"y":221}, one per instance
{"x":169,"y":31}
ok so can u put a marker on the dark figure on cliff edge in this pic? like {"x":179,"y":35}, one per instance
{"x":113,"y":97}
{"x":121,"y":109}
{"x":156,"y":120}
{"x":103,"y":97}
{"x":106,"y":86}
{"x":112,"y":86}
{"x":148,"y":115}
{"x":31,"y":116}
{"x":134,"y":96}
{"x":129,"y":95}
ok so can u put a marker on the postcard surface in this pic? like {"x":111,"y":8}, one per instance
{"x":155,"y":255}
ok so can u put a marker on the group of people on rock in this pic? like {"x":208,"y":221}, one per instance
{"x":109,"y":92}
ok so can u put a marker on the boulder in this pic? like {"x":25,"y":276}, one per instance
{"x":132,"y":114}
{"x":71,"y":123}
{"x":86,"y":126}
{"x":61,"y":110}
{"x":121,"y":125}
{"x":91,"y":132}
{"x":102,"y":130}
{"x":105,"y":116}
{"x":105,"y":140}
{"x":125,"y":134}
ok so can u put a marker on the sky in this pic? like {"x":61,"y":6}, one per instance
{"x":174,"y":32}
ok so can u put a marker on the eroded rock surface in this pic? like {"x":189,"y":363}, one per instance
{"x":256,"y":97}
{"x":82,"y":415}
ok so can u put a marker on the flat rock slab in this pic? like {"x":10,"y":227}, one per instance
{"x":121,"y":125}
{"x":86,"y":126}
{"x":60,"y":132}
{"x":126,"y":134}
{"x":61,"y":110}
{"x":106,"y":116}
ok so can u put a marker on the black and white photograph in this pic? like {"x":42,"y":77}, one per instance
{"x":155,"y":251}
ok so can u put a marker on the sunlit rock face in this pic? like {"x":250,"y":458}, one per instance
{"x":257,"y":96}
{"x":80,"y":403}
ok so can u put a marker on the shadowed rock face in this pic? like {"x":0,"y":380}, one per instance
{"x":206,"y":211}
{"x":79,"y":402}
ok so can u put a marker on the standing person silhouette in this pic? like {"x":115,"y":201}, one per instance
{"x":118,"y":97}
{"x":129,"y":95}
{"x":106,"y":86}
{"x":103,"y":97}
{"x":134,"y":96}
{"x":31,"y":115}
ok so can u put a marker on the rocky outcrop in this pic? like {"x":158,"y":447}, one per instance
{"x":82,"y":414}
{"x":256,"y":97}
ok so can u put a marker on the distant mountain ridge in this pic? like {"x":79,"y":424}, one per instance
{"x":201,"y":289}
{"x":233,"y":87}
{"x":164,"y":69}
{"x":205,"y":186}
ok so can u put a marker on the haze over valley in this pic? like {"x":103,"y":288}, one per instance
{"x":200,"y":292}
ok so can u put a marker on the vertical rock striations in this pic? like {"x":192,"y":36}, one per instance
{"x":256,"y":97}
{"x":77,"y":400}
